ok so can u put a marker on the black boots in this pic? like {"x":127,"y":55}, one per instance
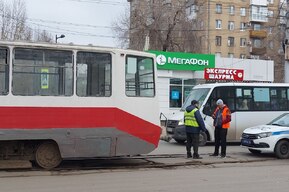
{"x":195,"y":156}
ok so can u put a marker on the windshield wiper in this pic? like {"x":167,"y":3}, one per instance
{"x":276,"y":124}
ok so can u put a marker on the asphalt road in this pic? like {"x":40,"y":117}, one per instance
{"x":261,"y":176}
{"x":264,"y":173}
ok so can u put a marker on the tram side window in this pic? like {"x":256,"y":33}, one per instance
{"x":42,"y":72}
{"x":139,"y":76}
{"x":93,"y":74}
{"x":4,"y":72}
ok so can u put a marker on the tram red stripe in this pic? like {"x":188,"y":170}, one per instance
{"x":74,"y":117}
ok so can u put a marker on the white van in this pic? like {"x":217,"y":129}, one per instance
{"x":251,"y":104}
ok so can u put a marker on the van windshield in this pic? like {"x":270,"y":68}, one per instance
{"x":196,"y":94}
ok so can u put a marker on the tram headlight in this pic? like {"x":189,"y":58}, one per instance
{"x":263,"y":135}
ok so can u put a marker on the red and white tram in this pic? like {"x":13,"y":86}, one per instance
{"x":70,"y":102}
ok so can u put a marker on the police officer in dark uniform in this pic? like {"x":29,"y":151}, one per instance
{"x":194,"y":124}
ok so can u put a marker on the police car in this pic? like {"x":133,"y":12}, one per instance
{"x":271,"y":138}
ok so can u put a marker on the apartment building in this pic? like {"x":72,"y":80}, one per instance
{"x":246,"y":29}
{"x":252,"y":29}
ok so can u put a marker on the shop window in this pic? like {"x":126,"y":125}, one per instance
{"x":179,"y":91}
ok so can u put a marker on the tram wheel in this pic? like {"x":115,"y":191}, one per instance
{"x":47,"y":155}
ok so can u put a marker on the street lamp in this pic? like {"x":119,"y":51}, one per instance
{"x":59,"y":37}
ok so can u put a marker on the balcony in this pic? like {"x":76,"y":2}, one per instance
{"x":259,"y":2}
{"x":258,"y":50}
{"x":258,"y":33}
{"x":257,"y":17}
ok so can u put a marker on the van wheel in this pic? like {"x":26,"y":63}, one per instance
{"x":47,"y":155}
{"x":282,"y":149}
{"x":203,"y":138}
{"x":254,"y":151}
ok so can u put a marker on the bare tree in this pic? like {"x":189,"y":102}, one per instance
{"x":164,"y":24}
{"x":13,"y":21}
{"x":120,"y":28}
{"x":43,"y":36}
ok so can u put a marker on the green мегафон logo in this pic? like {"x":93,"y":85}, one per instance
{"x":183,"y":61}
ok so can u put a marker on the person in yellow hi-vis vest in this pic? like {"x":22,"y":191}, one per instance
{"x":194,"y":124}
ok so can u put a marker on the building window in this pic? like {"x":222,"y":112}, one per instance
{"x":257,"y":43}
{"x":218,"y":24}
{"x":257,"y":57}
{"x":271,"y":44}
{"x":243,"y":11}
{"x":242,"y":26}
{"x":231,"y":55}
{"x":218,"y":8}
{"x":179,"y":90}
{"x":242,"y":56}
{"x":191,"y":10}
{"x":271,"y":1}
{"x":218,"y":41}
{"x":257,"y":27}
{"x":230,"y":41}
{"x":270,"y":29}
{"x":4,"y":71}
{"x":270,"y":13}
{"x":231,"y":25}
{"x":231,"y":9}
{"x":93,"y":74}
{"x":242,"y":42}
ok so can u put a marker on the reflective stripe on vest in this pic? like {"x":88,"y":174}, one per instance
{"x":190,"y":119}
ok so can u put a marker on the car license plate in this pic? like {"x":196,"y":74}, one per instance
{"x":246,"y":141}
{"x":170,"y":129}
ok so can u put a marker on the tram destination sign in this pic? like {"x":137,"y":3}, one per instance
{"x":183,"y":61}
{"x":223,"y":74}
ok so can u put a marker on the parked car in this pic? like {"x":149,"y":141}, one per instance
{"x":271,"y":138}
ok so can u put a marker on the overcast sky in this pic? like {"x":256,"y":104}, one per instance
{"x":81,"y":21}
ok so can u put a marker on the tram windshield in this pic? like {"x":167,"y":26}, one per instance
{"x":196,"y":94}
